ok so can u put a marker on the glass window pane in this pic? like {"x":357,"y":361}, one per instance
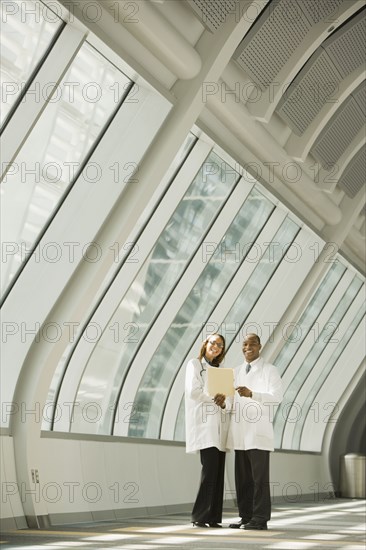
{"x":260,"y":278}
{"x":198,"y":306}
{"x":57,"y":378}
{"x":249,"y":296}
{"x":325,"y":372}
{"x":27,"y":30}
{"x":309,"y":316}
{"x":180,"y":426}
{"x":321,"y":342}
{"x":157,"y":277}
{"x":55,"y":151}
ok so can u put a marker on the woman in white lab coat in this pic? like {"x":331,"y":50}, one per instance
{"x":206,"y":429}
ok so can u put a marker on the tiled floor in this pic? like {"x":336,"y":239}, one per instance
{"x":337,"y":524}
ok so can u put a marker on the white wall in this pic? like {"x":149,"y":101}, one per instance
{"x":89,"y":479}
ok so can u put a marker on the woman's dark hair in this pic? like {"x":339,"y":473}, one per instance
{"x":217,"y":360}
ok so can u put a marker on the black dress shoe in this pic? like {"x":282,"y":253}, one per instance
{"x":255,"y":526}
{"x":215,"y":525}
{"x":199,"y":524}
{"x":239,"y":524}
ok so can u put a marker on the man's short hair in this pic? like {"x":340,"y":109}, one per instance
{"x":255,"y":336}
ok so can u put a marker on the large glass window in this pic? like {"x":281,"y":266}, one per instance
{"x":56,"y":151}
{"x":167,"y":360}
{"x":27,"y":30}
{"x":308,"y":318}
{"x":179,"y":429}
{"x":312,"y":359}
{"x":260,"y":278}
{"x":325,"y":371}
{"x":55,"y":386}
{"x":247,"y":298}
{"x":185,"y":230}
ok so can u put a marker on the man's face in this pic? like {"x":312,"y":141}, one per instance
{"x":251,"y":348}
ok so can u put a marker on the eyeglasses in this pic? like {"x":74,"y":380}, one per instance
{"x":214,"y":343}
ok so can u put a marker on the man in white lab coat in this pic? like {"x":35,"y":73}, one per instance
{"x":258,"y":393}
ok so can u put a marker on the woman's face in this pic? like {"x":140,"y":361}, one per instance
{"x":214,"y":346}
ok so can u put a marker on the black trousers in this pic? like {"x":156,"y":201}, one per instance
{"x":252,"y":485}
{"x":208,"y":505}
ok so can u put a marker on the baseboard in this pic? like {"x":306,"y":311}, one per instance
{"x":12,"y":524}
{"x":119,"y":514}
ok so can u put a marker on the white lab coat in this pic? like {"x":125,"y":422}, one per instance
{"x":206,"y":423}
{"x":251,"y":418}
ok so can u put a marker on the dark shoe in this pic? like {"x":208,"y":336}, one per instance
{"x":215,"y":525}
{"x":199,"y":524}
{"x":255,"y":526}
{"x":239,"y":525}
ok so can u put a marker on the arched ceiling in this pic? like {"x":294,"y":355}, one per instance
{"x":305,"y":61}
{"x":291,"y":93}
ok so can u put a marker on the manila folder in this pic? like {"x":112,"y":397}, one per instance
{"x":220,"y":381}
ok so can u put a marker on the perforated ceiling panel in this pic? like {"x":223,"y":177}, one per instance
{"x":213,"y":13}
{"x":308,"y":93}
{"x":360,"y":96}
{"x":338,"y":134}
{"x":265,"y":49}
{"x":318,"y":81}
{"x":353,"y":178}
{"x":319,"y":10}
{"x":346,"y":47}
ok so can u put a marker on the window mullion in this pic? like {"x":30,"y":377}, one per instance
{"x":35,"y":100}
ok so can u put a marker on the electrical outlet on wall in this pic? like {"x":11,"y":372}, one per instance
{"x":35,"y":476}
